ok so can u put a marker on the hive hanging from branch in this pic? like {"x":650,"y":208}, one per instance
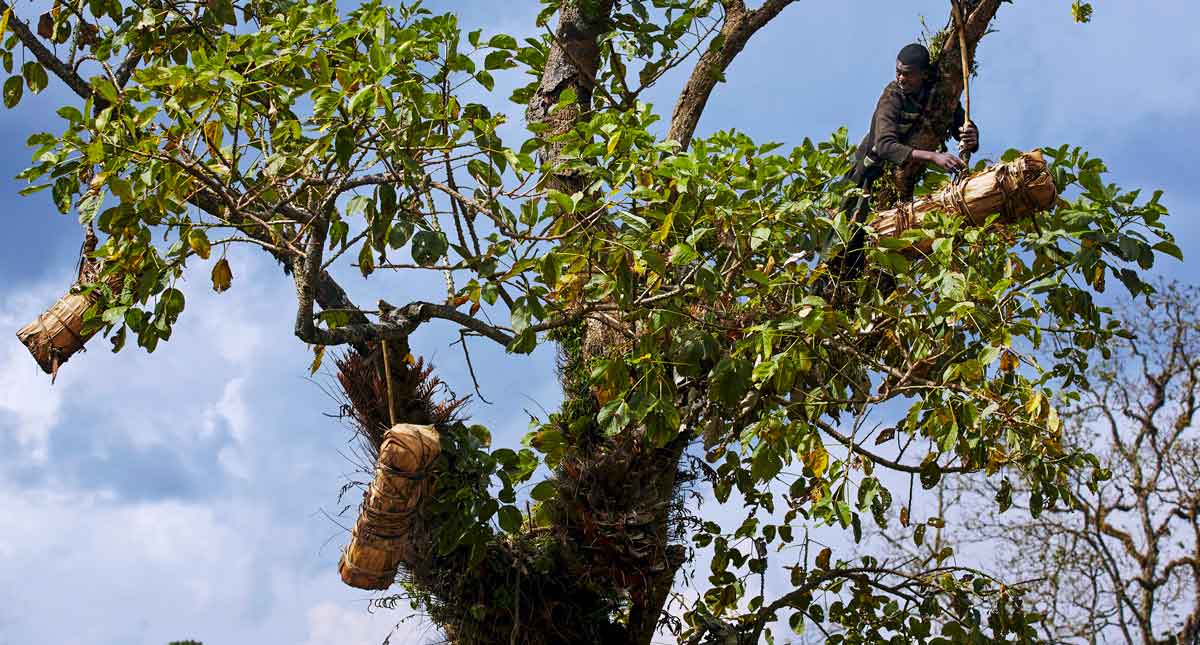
{"x":388,"y":530}
{"x":1014,"y":190}
{"x":57,"y":334}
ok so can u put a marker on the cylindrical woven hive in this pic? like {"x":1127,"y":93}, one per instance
{"x":383,"y":534}
{"x":1014,"y":190}
{"x":55,"y":335}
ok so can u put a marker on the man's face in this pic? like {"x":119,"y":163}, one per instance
{"x":909,"y":77}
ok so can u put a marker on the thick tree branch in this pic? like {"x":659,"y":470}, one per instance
{"x":48,"y":59}
{"x":739,"y":26}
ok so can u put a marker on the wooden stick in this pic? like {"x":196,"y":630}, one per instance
{"x":966,"y":71}
{"x":387,"y":374}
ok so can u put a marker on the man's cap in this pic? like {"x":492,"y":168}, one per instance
{"x":914,"y":54}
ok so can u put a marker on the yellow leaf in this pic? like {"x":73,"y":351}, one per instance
{"x":4,"y":20}
{"x":318,"y":355}
{"x":614,"y":142}
{"x":603,"y":393}
{"x":1098,"y":278}
{"x":214,"y":133}
{"x":198,"y":240}
{"x":1034,"y":406}
{"x":1008,"y":361}
{"x":817,"y":460}
{"x":222,"y":275}
{"x":823,"y":558}
{"x":1053,"y":424}
{"x":665,"y":229}
{"x":996,"y":459}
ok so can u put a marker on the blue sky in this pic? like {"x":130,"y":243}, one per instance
{"x":187,"y":494}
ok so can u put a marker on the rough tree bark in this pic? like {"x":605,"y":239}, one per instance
{"x":573,"y":63}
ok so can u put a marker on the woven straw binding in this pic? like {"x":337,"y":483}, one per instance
{"x":383,"y":536}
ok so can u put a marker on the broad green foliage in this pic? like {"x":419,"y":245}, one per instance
{"x":706,"y":261}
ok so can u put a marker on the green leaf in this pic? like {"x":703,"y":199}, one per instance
{"x":730,"y":380}
{"x":1081,"y":11}
{"x":35,"y":76}
{"x":14,"y":87}
{"x":198,"y":240}
{"x":502,"y":41}
{"x":510,"y":519}
{"x":88,"y":206}
{"x":563,"y":200}
{"x":1170,"y":249}
{"x":171,"y":303}
{"x":366,"y":259}
{"x":428,"y":247}
{"x":223,"y":11}
{"x":498,"y":60}
{"x":344,"y":145}
{"x":543,"y":491}
{"x":362,"y":100}
{"x":105,"y":88}
{"x":70,"y":113}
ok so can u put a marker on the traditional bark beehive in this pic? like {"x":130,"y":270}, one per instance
{"x":1014,"y":190}
{"x":57,"y":334}
{"x":383,"y":535}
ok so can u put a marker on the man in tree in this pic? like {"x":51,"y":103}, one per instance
{"x":896,"y":115}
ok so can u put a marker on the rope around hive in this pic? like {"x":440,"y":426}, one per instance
{"x":1016,"y":181}
{"x":390,"y":520}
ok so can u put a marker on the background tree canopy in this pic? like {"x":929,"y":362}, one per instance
{"x":680,"y":277}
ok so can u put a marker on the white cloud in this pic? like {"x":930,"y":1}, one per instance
{"x":26,"y":397}
{"x":231,"y":409}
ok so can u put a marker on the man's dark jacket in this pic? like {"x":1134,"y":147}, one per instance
{"x":892,"y":125}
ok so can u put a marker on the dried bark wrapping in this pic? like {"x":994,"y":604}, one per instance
{"x":56,"y":335}
{"x":1014,"y":190}
{"x":383,"y":536}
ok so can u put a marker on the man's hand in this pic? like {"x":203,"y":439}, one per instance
{"x":943,"y":160}
{"x":968,"y":138}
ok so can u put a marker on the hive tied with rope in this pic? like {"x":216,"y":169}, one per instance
{"x":382,"y":537}
{"x":1014,"y":190}
{"x":57,"y":334}
{"x":384,"y":533}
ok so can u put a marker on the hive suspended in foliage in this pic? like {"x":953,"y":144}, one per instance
{"x":57,"y":334}
{"x":388,"y":527}
{"x":1014,"y":190}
